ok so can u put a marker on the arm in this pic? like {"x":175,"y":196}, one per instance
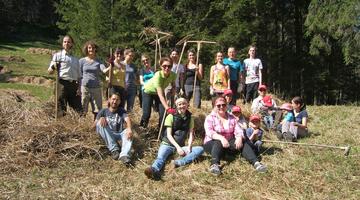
{"x":200,"y":72}
{"x":161,"y":95}
{"x":173,"y":142}
{"x":211,"y":75}
{"x":228,"y":75}
{"x":191,"y":139}
{"x":128,"y":128}
{"x":141,"y":78}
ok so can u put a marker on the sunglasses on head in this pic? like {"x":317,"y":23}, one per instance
{"x":166,"y":66}
{"x":221,"y":105}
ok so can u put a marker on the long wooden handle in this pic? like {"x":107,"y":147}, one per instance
{"x":57,"y":89}
{"x":196,"y":71}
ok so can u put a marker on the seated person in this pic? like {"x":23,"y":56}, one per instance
{"x":178,"y":127}
{"x":236,"y":111}
{"x":109,"y":125}
{"x":228,"y":95}
{"x":283,"y":127}
{"x":224,"y":135}
{"x":254,"y":133}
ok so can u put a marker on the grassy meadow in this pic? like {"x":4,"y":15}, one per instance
{"x":41,"y":158}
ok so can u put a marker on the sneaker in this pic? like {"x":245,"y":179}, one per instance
{"x":125,"y":160}
{"x":215,"y":169}
{"x":151,"y":174}
{"x":289,"y":137}
{"x":115,"y":154}
{"x":260,"y":167}
{"x":173,"y":165}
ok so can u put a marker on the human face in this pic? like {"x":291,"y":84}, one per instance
{"x":129,"y":57}
{"x":296,"y":106}
{"x":237,"y":114}
{"x":145,"y":61}
{"x":252,"y":52}
{"x":231,"y":53}
{"x":91,"y":50}
{"x":219,"y":57}
{"x":174,"y":56}
{"x":221,"y":107}
{"x":262,"y":92}
{"x":166,"y":68}
{"x":67,"y":43}
{"x":114,"y":101}
{"x":182,"y":107}
{"x":228,"y":98}
{"x":191,"y":57}
{"x":118,"y":55}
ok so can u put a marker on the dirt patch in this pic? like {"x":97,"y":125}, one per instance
{"x":17,"y":96}
{"x":12,"y":59}
{"x":41,"y":51}
{"x":32,"y":80}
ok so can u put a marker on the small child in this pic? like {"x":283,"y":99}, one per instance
{"x":254,"y":133}
{"x":236,"y":111}
{"x":228,"y":95}
{"x":284,"y":126}
{"x":267,"y":110}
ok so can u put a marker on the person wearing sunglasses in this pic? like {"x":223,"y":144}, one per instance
{"x":223,"y":135}
{"x":154,"y":91}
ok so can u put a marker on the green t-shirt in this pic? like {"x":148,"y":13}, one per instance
{"x":159,"y":80}
{"x":170,"y":118}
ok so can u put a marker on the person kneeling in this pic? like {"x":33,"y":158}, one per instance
{"x":110,"y":126}
{"x":178,"y":126}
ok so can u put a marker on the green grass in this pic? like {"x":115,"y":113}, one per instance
{"x":41,"y":92}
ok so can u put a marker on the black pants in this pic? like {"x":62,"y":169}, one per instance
{"x":68,"y":95}
{"x":251,"y":91}
{"x":147,"y":103}
{"x":217,"y":151}
{"x":233,"y":86}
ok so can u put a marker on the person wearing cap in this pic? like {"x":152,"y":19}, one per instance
{"x":69,"y":75}
{"x":179,"y":126}
{"x":284,"y":126}
{"x":219,"y":77}
{"x":228,"y":95}
{"x":256,"y":106}
{"x":236,"y":111}
{"x":253,"y":75}
{"x":117,"y":82}
{"x":254,"y":133}
{"x":224,"y":135}
{"x":236,"y":70}
{"x":154,"y":91}
{"x":268,"y":111}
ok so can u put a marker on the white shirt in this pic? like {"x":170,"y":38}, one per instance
{"x":180,"y":69}
{"x":69,"y":66}
{"x":252,"y":68}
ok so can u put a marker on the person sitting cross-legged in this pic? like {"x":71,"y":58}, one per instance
{"x":178,"y":127}
{"x":109,"y":125}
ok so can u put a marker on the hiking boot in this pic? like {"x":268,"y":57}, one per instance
{"x":151,"y":173}
{"x":115,"y":154}
{"x":215,"y":169}
{"x":260,"y":167}
{"x":289,"y":137}
{"x":125,"y":160}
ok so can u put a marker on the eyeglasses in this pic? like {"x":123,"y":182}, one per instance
{"x":221,"y":105}
{"x":145,"y":60}
{"x":166,"y":66}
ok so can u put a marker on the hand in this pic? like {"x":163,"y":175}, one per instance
{"x":190,"y":149}
{"x":171,"y":111}
{"x":225,"y":143}
{"x":180,"y":151}
{"x":238,"y":143}
{"x":129,"y":134}
{"x":102,"y":121}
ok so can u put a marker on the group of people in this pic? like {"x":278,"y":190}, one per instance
{"x":169,"y":91}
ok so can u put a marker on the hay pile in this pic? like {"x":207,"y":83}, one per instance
{"x":41,"y":51}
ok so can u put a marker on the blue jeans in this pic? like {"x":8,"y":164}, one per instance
{"x":130,"y":97}
{"x":166,"y":150}
{"x":110,"y":137}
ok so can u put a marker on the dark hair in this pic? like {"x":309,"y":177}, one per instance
{"x":114,"y":93}
{"x":128,"y":50}
{"x":174,"y":49}
{"x":162,"y":60}
{"x":216,"y":55}
{"x":91,"y":43}
{"x":119,"y":50}
{"x":299,"y":100}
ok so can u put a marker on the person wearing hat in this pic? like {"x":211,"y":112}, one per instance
{"x":254,"y":133}
{"x":266,"y":106}
{"x":236,"y":111}
{"x":179,"y":126}
{"x":256,"y":106}
{"x":224,"y":135}
{"x":117,"y":82}
{"x":284,"y":126}
{"x":228,"y":95}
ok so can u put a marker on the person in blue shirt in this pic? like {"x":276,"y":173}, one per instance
{"x":236,"y":70}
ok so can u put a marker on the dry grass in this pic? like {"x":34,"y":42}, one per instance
{"x":45,"y":159}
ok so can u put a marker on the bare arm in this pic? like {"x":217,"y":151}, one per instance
{"x":228,"y":76}
{"x":212,"y":75}
{"x":162,"y":98}
{"x":200,"y":72}
{"x":128,"y":127}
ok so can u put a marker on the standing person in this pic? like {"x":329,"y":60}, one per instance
{"x":219,"y":77}
{"x":145,"y":74}
{"x":224,"y":135}
{"x":236,"y":69}
{"x":154,"y":91}
{"x":130,"y":79}
{"x":178,"y":68}
{"x":179,"y":126}
{"x":90,"y":69}
{"x":253,"y":75}
{"x":69,"y":75}
{"x":190,"y":70}
{"x":117,"y":83}
{"x":109,"y":125}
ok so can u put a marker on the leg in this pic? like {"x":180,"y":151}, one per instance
{"x":215,"y":148}
{"x":233,"y":87}
{"x":196,"y":151}
{"x":146,"y":107}
{"x":85,"y":98}
{"x":131,"y":95}
{"x":62,"y":98}
{"x":164,"y":152}
{"x":188,"y":92}
{"x":197,"y":97}
{"x":73,"y":98}
{"x":248,"y":153}
{"x":125,"y":144}
{"x":108,"y":137}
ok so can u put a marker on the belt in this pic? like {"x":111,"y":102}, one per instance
{"x":70,"y":81}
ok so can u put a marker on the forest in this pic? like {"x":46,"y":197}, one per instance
{"x":309,"y":48}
